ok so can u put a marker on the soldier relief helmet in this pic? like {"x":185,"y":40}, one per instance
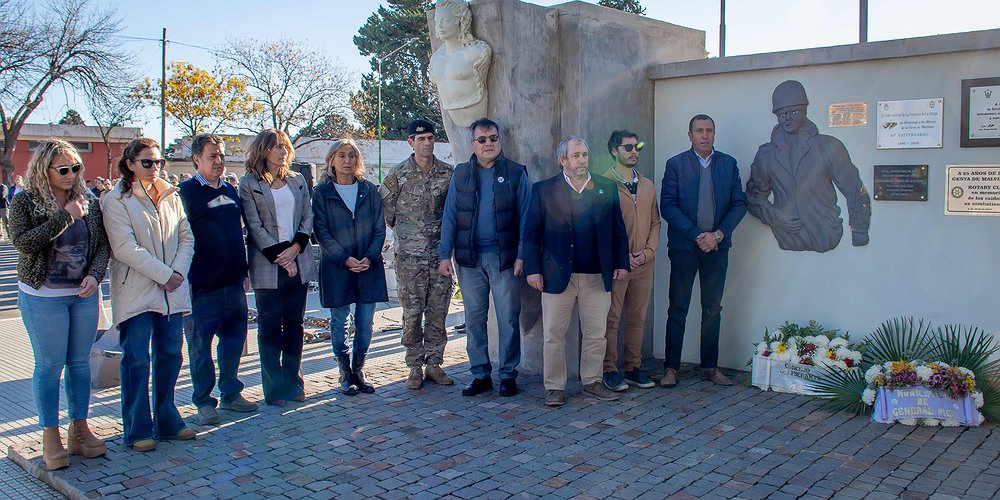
{"x":788,"y":93}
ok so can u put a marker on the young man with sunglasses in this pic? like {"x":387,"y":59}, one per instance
{"x":483,"y":219}
{"x":630,"y":296}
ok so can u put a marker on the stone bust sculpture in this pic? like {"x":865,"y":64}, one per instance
{"x":800,"y":167}
{"x":460,"y":64}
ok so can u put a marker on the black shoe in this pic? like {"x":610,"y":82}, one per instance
{"x":460,"y":327}
{"x":508,"y":387}
{"x":478,"y":386}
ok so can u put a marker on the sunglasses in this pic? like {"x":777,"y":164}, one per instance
{"x":149,"y":163}
{"x":68,"y":168}
{"x":491,"y":138}
{"x":629,"y":147}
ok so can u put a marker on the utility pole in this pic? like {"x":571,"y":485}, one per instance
{"x":863,"y":22}
{"x":722,"y":28}
{"x":163,"y":92}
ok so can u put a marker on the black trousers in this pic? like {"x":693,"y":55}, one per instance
{"x":280,"y":313}
{"x":711,"y":268}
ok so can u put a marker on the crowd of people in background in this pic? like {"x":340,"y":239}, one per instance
{"x":181,"y":253}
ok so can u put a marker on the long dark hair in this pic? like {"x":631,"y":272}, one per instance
{"x":131,"y":152}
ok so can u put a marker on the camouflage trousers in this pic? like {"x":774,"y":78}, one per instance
{"x":425,"y":296}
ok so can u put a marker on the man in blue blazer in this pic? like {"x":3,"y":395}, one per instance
{"x":702,"y":201}
{"x":575,"y":243}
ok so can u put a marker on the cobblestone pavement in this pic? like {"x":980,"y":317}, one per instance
{"x":696,"y":440}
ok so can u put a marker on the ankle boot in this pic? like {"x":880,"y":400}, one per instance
{"x":83,"y":442}
{"x":344,"y":363}
{"x":358,"y":376}
{"x":53,"y":453}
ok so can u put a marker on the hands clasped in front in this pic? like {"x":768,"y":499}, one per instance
{"x":286,"y":259}
{"x":357,"y":266}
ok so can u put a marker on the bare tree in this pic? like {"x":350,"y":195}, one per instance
{"x":298,"y":87}
{"x":111,"y":108}
{"x":63,"y":41}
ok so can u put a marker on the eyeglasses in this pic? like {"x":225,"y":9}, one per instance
{"x":629,"y":147}
{"x":491,"y":138}
{"x":65,"y":169}
{"x":146,"y":163}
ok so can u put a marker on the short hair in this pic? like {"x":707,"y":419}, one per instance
{"x":699,"y":117}
{"x":359,"y":166}
{"x":563,"y":147}
{"x":199,"y":141}
{"x":617,"y":137}
{"x":485,"y":123}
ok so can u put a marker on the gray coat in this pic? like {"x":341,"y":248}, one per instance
{"x":262,"y":230}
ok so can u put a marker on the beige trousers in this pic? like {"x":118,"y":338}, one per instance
{"x":587,"y":290}
{"x":629,"y":302}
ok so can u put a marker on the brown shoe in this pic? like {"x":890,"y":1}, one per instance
{"x":144,"y":445}
{"x":716,"y":377}
{"x":186,"y":434}
{"x":554,"y":398}
{"x":416,"y":378}
{"x":82,"y":442}
{"x":53,"y":453}
{"x":669,"y":378}
{"x":599,"y":391}
{"x":435,"y":374}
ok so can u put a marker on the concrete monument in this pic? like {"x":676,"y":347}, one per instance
{"x":459,"y":66}
{"x":800,"y":167}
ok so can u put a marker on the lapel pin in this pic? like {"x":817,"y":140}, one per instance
{"x":500,"y":179}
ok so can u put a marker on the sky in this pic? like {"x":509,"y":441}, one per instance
{"x":752,"y":26}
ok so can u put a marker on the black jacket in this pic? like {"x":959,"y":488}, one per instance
{"x":342,"y":235}
{"x":507,"y":176}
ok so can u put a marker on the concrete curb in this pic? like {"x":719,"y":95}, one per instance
{"x":27,"y":462}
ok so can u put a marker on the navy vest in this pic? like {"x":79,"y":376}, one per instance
{"x":505,"y":210}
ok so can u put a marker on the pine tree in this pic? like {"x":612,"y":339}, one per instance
{"x":72,"y":118}
{"x":407,"y":91}
{"x":632,"y":6}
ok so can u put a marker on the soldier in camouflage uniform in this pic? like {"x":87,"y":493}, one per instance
{"x":414,"y":194}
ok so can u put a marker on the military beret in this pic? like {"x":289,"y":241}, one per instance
{"x":419,"y":127}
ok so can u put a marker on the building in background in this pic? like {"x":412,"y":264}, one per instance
{"x":87,"y":140}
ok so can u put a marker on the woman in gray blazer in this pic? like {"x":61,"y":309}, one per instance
{"x":278,"y":217}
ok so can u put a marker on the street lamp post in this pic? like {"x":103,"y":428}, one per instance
{"x":380,"y":59}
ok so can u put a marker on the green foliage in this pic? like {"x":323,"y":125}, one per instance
{"x":787,"y":330}
{"x":407,"y":91}
{"x":632,"y":6}
{"x":899,"y":339}
{"x":841,"y":390}
{"x":968,"y":347}
{"x":330,"y":127}
{"x":991,"y":398}
{"x":72,"y":118}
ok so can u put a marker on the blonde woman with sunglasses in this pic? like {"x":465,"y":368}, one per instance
{"x":151,"y":246}
{"x":57,"y":229}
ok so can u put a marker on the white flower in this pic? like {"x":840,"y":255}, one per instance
{"x":821,"y":341}
{"x":868,"y":397}
{"x":966,"y":372}
{"x":949,"y":423}
{"x":924,"y":372}
{"x":978,"y":398}
{"x":942,"y":364}
{"x":838,"y":343}
{"x":931,"y":422}
{"x":908,"y":421}
{"x":761,"y":348}
{"x":873,"y":372}
{"x":888,"y":366}
{"x":845,"y":353}
{"x":781,"y":352}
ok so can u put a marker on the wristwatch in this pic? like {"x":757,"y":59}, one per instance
{"x":718,"y":239}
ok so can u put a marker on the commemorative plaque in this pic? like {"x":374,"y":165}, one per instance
{"x":980,"y":113}
{"x":901,"y":182}
{"x":972,"y":190}
{"x":848,"y":114}
{"x":910,"y":124}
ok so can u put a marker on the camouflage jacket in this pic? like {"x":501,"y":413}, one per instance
{"x":414,"y":203}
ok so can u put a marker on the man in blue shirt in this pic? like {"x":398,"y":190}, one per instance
{"x":483,"y":219}
{"x":218,"y":280}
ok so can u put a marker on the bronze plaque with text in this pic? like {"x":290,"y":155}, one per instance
{"x":901,"y":182}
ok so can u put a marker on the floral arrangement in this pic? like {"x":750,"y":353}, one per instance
{"x":956,"y":382}
{"x":810,"y":345}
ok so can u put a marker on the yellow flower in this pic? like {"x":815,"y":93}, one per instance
{"x":782,"y":348}
{"x":900,"y":366}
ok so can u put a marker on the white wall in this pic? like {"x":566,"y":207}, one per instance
{"x":919,"y":263}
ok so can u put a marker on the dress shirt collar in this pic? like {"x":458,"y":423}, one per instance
{"x":571,"y":186}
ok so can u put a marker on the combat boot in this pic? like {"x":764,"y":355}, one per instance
{"x":358,"y":376}
{"x":416,"y":378}
{"x":345,"y":379}
{"x":435,"y":374}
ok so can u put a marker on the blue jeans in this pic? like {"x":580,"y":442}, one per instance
{"x":711,"y":267}
{"x":476,"y":284}
{"x":62,"y":332}
{"x":364,"y":313}
{"x":137,"y":333}
{"x":223,"y":313}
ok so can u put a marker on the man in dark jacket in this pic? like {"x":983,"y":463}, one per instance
{"x":218,"y":279}
{"x":575,"y":243}
{"x":702,"y":201}
{"x":482,"y":225}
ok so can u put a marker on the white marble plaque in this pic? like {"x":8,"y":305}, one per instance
{"x":984,"y":112}
{"x":972,"y":190}
{"x":910,"y":124}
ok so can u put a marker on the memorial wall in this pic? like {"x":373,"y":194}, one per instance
{"x":933,"y":176}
